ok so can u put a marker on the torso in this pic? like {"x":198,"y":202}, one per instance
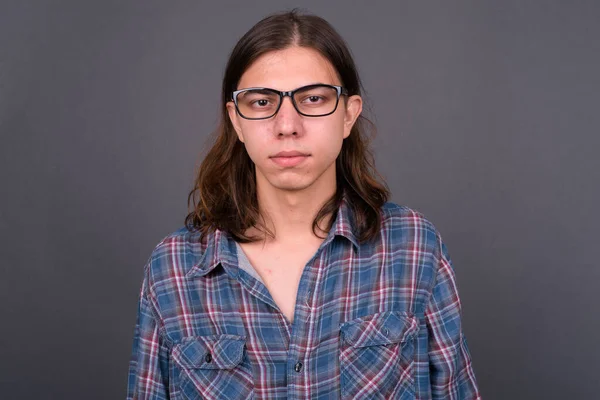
{"x":280,"y":268}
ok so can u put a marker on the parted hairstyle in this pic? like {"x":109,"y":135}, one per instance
{"x":224,"y":195}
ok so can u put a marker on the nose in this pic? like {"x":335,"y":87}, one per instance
{"x":287,"y":119}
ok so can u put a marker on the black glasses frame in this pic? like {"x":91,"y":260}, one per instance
{"x":339,"y":89}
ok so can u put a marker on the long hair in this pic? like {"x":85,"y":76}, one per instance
{"x":224,"y":194}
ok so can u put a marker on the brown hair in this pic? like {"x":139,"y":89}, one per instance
{"x":224,"y":194}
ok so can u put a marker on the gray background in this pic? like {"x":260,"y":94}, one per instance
{"x":488,"y":117}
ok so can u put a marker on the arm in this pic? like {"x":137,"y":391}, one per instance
{"x":451,"y":372}
{"x":149,"y":364}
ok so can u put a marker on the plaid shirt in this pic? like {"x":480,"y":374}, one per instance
{"x":377,"y":320}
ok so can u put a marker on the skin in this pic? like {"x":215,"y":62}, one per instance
{"x":289,"y":197}
{"x":294,"y":195}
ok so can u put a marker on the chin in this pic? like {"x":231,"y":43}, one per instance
{"x":291,"y":185}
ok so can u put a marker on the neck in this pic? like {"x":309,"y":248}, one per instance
{"x":290,"y":214}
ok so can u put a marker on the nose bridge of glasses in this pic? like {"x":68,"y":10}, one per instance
{"x":289,"y":94}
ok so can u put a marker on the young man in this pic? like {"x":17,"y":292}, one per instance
{"x":294,"y":277}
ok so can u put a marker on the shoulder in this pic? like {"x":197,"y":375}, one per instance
{"x":174,"y":255}
{"x":400,"y":221}
{"x":175,"y":242}
{"x":415,"y":229}
{"x":400,"y":216}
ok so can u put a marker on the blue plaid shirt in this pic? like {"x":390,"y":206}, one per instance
{"x":376,"y":320}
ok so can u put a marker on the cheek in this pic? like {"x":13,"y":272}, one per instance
{"x":255,"y":150}
{"x":328,"y":139}
{"x":255,"y":141}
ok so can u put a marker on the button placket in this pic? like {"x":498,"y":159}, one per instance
{"x":307,"y":301}
{"x":301,"y":325}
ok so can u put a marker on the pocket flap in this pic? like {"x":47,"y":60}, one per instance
{"x":210,"y":352}
{"x":380,"y":328}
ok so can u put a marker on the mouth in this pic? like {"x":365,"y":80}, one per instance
{"x":290,"y":153}
{"x":289,"y":158}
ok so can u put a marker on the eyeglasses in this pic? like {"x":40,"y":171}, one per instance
{"x":311,"y":101}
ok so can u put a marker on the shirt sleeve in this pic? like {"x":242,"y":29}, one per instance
{"x":451,"y":370}
{"x":149,"y":364}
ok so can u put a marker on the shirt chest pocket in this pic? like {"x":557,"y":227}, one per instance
{"x":212,"y":367}
{"x":377,"y":356}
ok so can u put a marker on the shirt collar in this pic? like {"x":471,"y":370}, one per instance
{"x":344,"y":223}
{"x":220,"y":246}
{"x":217,"y":251}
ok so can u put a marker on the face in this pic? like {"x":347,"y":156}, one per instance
{"x":292,"y":152}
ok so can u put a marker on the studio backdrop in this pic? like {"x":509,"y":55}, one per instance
{"x":488,"y":124}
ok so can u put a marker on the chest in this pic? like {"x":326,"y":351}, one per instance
{"x":280,"y":271}
{"x":363,"y":301}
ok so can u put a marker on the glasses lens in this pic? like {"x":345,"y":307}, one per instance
{"x":316,"y":100}
{"x":257,"y":103}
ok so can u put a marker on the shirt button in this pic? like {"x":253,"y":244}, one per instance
{"x":208,"y":358}
{"x":298,"y":367}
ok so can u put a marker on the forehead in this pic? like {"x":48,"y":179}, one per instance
{"x":289,"y":69}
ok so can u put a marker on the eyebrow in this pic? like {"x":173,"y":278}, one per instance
{"x":257,"y":88}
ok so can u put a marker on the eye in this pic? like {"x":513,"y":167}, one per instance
{"x":312,"y":99}
{"x":259,"y":99}
{"x":261,"y":102}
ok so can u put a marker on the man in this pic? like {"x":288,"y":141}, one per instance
{"x":294,"y":277}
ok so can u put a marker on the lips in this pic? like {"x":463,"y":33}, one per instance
{"x":289,"y":158}
{"x":291,"y":153}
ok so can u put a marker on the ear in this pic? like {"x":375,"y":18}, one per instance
{"x":235,"y":120}
{"x":353,"y":110}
